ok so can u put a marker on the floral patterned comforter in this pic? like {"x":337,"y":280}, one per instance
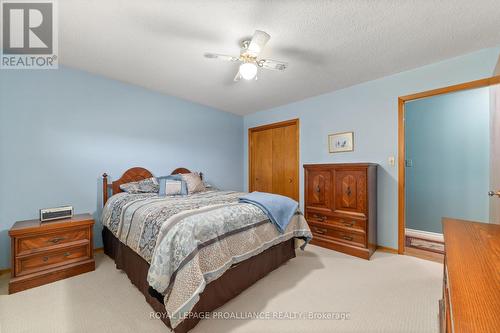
{"x":191,"y":241}
{"x":135,"y":219}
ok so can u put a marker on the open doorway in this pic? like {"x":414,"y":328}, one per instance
{"x":448,"y":161}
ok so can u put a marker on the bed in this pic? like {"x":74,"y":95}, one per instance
{"x":185,"y":271}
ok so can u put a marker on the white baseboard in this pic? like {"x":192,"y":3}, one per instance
{"x":434,"y":236}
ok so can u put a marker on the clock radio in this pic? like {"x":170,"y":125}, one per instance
{"x":49,"y":214}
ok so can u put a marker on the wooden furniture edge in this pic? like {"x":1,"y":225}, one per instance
{"x":401,"y":140}
{"x":105,"y":193}
{"x":471,"y":276}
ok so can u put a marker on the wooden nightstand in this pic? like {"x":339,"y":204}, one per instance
{"x":50,"y":251}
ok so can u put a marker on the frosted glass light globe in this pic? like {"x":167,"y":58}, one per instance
{"x":248,"y":70}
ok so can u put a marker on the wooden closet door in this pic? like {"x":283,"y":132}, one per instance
{"x":274,"y":157}
{"x":285,"y":161}
{"x":261,"y":173}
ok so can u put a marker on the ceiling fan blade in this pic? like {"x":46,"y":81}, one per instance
{"x":274,"y":65}
{"x":237,"y":77}
{"x":259,"y":40}
{"x":221,"y":57}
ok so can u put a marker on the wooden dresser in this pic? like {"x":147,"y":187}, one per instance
{"x":50,"y":251}
{"x":471,"y":284}
{"x":341,"y":206}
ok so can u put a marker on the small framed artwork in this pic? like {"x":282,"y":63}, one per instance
{"x":341,"y":142}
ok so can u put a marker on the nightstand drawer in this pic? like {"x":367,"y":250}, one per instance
{"x":51,"y":259}
{"x":36,"y":243}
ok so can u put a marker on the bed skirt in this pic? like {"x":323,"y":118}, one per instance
{"x":217,"y":293}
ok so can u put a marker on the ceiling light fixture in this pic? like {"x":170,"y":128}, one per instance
{"x":249,"y":57}
{"x":248,"y":70}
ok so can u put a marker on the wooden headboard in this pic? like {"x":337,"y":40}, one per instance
{"x":131,"y":175}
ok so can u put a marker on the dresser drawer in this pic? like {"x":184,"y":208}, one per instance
{"x":348,"y":223}
{"x":344,"y":236}
{"x":32,"y":244}
{"x":51,"y":259}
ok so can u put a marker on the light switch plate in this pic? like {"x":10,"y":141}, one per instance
{"x":391,"y":160}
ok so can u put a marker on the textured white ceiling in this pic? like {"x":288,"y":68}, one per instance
{"x":159,"y":44}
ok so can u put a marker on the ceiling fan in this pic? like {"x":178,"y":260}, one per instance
{"x":250,"y":50}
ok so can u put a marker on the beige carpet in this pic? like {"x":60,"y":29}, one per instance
{"x":390,"y":293}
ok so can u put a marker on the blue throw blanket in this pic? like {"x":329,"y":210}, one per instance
{"x":278,"y":208}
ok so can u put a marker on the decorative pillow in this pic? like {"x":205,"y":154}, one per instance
{"x":149,"y":185}
{"x":173,"y":187}
{"x":163,"y":185}
{"x":194,"y":182}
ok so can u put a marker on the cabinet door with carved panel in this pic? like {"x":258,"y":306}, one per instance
{"x":318,"y":192}
{"x":349,"y":195}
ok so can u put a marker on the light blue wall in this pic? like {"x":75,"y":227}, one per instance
{"x":448,"y":141}
{"x":61,"y":129}
{"x":370,"y":110}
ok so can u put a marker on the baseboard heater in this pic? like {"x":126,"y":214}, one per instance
{"x":424,"y":240}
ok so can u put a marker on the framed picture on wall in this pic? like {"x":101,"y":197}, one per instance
{"x":341,"y":142}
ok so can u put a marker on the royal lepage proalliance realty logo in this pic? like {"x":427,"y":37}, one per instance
{"x":29,"y":34}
